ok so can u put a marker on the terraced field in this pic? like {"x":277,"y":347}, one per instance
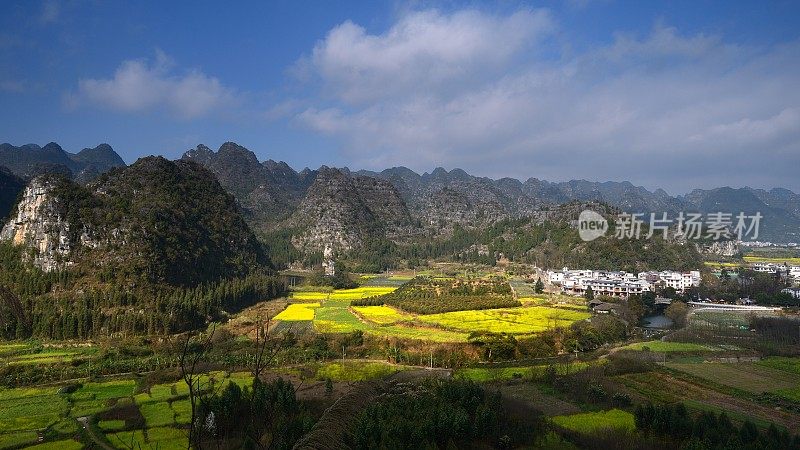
{"x":27,"y":413}
{"x":382,"y":315}
{"x":298,"y":312}
{"x":329,"y":311}
{"x":750,"y":377}
{"x":669,"y":347}
{"x":524,"y":320}
{"x":33,"y":353}
{"x":484,"y":374}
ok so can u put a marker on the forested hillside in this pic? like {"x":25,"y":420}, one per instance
{"x":155,"y":247}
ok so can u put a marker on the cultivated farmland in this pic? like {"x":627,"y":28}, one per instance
{"x":593,"y":421}
{"x":527,"y":320}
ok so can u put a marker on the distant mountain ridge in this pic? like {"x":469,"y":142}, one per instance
{"x":346,"y":209}
{"x":29,"y":160}
{"x":272,"y":192}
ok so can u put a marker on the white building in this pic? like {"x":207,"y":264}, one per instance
{"x":622,"y":284}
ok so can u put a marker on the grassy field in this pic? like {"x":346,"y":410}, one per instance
{"x":24,"y":412}
{"x":593,"y":421}
{"x":356,"y":371}
{"x":750,"y":377}
{"x":31,"y":409}
{"x":791,"y":365}
{"x":506,"y":320}
{"x":667,"y":347}
{"x":484,"y":374}
{"x":66,"y":444}
{"x":18,"y":439}
{"x":33,"y":353}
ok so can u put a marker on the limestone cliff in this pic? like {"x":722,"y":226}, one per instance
{"x":40,"y":225}
{"x":344,"y":212}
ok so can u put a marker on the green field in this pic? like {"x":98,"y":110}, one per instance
{"x":11,"y":440}
{"x":593,"y":421}
{"x":667,"y":347}
{"x":26,"y":411}
{"x":506,"y":320}
{"x":356,"y":371}
{"x":66,"y":444}
{"x":785,"y":364}
{"x":33,"y":353}
{"x":484,"y":374}
{"x":750,"y":377}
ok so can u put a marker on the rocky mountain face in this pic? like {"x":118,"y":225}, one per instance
{"x":344,"y":211}
{"x":165,"y":221}
{"x":40,"y":224}
{"x":10,"y":188}
{"x":274,"y":196}
{"x":30,"y":160}
{"x":441,"y":199}
{"x":268,"y":192}
{"x":322,"y":207}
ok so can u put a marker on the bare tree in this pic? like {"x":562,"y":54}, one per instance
{"x":267,"y":347}
{"x":189,"y":359}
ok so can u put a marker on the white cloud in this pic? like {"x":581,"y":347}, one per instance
{"x":423,"y":50}
{"x":139,"y":85}
{"x":495,"y":95}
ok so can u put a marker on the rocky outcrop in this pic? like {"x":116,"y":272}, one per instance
{"x":719,"y":248}
{"x":343,"y":212}
{"x":40,"y":225}
{"x":268,"y":192}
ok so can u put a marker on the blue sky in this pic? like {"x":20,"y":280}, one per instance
{"x":677,"y":95}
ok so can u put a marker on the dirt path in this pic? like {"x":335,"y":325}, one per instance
{"x":84,"y":421}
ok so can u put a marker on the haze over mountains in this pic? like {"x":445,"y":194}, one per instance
{"x":330,"y":206}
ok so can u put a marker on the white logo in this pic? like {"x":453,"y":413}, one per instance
{"x":591,"y":225}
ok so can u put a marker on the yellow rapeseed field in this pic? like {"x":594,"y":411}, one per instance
{"x":382,"y":315}
{"x":298,"y":311}
{"x":506,"y":320}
